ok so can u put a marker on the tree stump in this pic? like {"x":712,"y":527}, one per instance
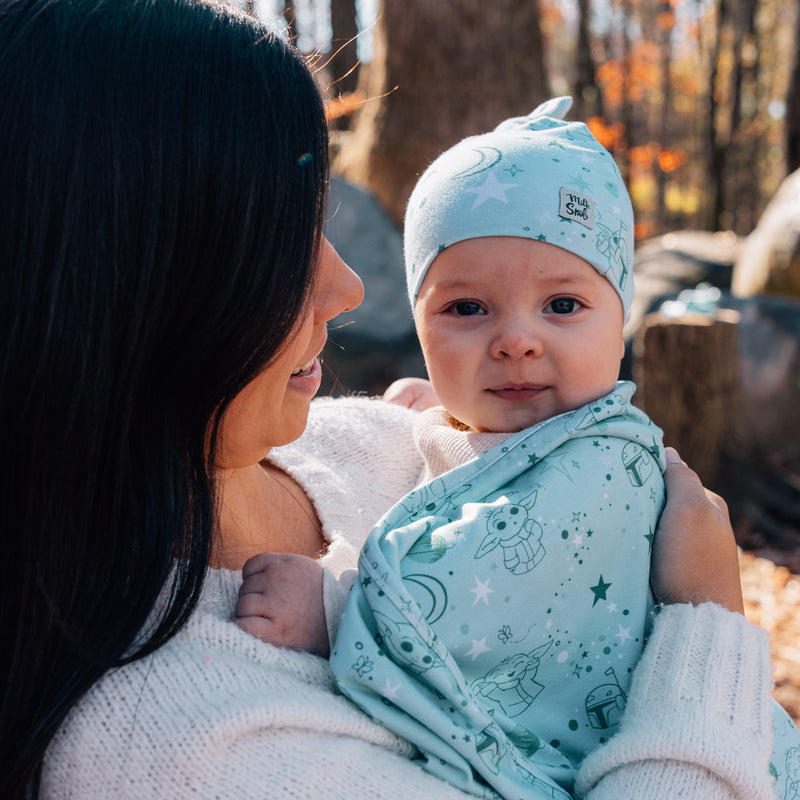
{"x":688,"y":382}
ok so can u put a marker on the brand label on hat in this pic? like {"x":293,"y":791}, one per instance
{"x":577,"y":206}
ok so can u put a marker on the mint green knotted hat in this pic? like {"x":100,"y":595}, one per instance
{"x":537,"y":177}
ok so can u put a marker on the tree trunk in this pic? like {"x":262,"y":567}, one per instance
{"x":343,"y":61}
{"x":290,"y":19}
{"x":588,"y":102}
{"x":440,"y":71}
{"x":745,"y":184}
{"x":665,"y":107}
{"x":793,"y":109}
{"x":688,"y":382}
{"x":626,"y":111}
{"x":716,"y":147}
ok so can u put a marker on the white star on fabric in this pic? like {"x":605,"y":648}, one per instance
{"x":481,"y":591}
{"x":491,"y":189}
{"x":478,"y":648}
{"x":623,"y":634}
{"x":578,"y":539}
{"x":612,"y":607}
{"x":389,"y":691}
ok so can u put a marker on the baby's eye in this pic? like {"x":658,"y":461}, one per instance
{"x":466,"y":308}
{"x":563,"y":305}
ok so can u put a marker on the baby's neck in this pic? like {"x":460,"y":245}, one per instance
{"x":445,"y":446}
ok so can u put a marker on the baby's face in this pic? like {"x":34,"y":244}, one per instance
{"x":515,"y":331}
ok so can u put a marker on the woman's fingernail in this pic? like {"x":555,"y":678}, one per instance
{"x":671,"y":454}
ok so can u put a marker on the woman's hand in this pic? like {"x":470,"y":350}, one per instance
{"x":414,"y":393}
{"x":695,"y":559}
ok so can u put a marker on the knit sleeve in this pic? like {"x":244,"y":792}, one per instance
{"x":356,"y":459}
{"x":697,"y":723}
{"x":216,"y":713}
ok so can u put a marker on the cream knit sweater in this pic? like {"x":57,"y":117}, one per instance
{"x":216,"y":713}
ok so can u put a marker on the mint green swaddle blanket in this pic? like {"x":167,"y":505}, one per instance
{"x":500,"y":609}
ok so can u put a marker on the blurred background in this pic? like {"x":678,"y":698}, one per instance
{"x":699,"y":102}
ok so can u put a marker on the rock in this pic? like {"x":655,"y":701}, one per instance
{"x":763,"y":488}
{"x":376,"y":343}
{"x":769,"y":335}
{"x":769,"y":261}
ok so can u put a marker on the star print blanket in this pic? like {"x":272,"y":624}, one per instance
{"x":500,"y":608}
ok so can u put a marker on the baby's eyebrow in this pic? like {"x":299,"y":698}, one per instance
{"x":457,"y":284}
{"x":566,"y":280}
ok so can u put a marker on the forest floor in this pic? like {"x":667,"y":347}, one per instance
{"x":772,"y":601}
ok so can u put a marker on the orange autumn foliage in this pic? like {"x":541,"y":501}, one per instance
{"x":610,"y":136}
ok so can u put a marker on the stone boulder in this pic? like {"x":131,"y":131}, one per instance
{"x":763,"y":488}
{"x":376,"y":343}
{"x":769,"y":261}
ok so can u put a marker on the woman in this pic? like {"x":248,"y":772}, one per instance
{"x":165,"y":294}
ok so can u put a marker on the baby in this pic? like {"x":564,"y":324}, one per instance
{"x":500,"y":607}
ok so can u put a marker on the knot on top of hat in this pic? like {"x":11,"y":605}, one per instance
{"x":549,"y":114}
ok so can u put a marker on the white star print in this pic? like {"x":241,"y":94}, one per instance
{"x":389,"y":691}
{"x":481,"y":591}
{"x":478,"y":648}
{"x":491,"y":189}
{"x":612,"y":607}
{"x":577,"y":539}
{"x":623,"y":634}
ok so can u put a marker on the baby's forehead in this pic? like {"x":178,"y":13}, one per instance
{"x":485,"y":259}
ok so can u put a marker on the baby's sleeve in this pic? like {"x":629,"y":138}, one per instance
{"x":339,"y":572}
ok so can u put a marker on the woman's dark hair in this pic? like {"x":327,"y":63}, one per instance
{"x":162,"y":174}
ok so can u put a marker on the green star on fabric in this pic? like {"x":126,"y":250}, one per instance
{"x":599,"y":591}
{"x":580,"y":183}
{"x":541,"y":237}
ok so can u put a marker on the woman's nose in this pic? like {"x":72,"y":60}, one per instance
{"x":517,"y":339}
{"x":338,"y":288}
